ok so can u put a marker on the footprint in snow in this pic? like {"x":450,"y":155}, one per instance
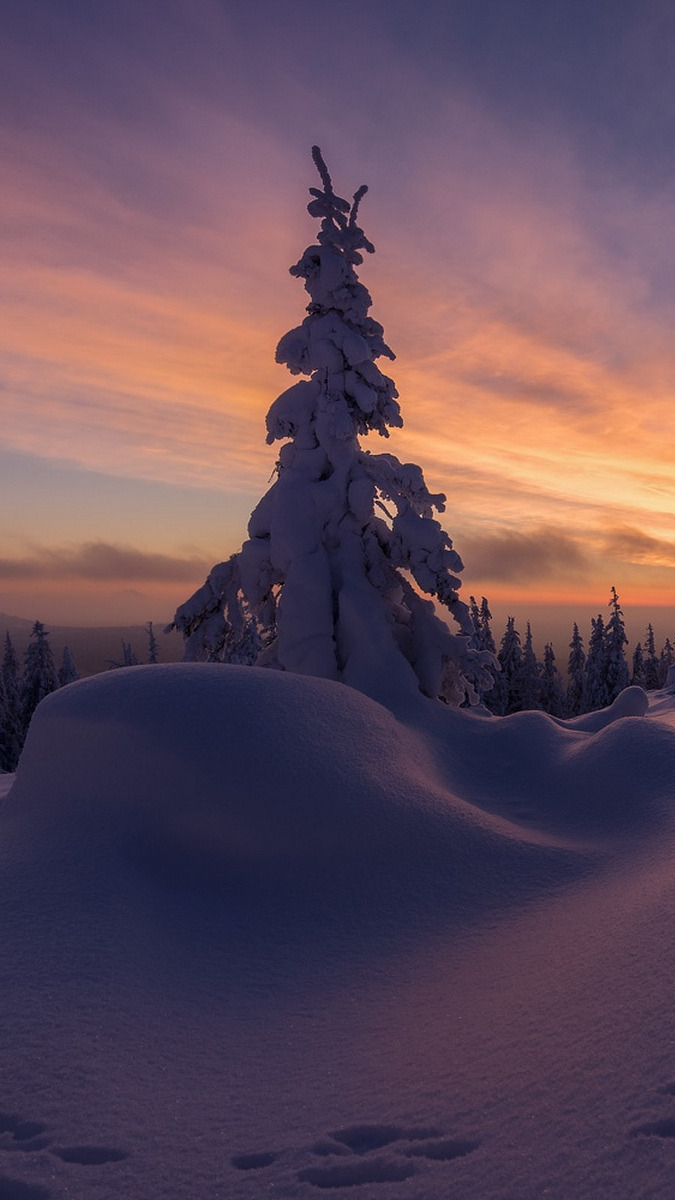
{"x":661,"y":1127}
{"x":19,"y":1134}
{"x":368,"y":1153}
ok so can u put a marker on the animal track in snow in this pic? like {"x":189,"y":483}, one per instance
{"x":664,"y":1128}
{"x":368,"y":1153}
{"x":89,"y":1156}
{"x":16,"y":1133}
{"x":254,"y":1162}
{"x":14,"y":1189}
{"x":661,"y":1127}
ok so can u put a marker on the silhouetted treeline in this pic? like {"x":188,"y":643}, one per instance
{"x":595,"y":674}
{"x":23,"y":686}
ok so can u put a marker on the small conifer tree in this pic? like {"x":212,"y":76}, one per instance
{"x":341,"y":546}
{"x":40,"y":677}
{"x":12,"y":731}
{"x":651,"y":661}
{"x":552,"y":693}
{"x":597,"y":692}
{"x":153,"y":648}
{"x":68,"y":672}
{"x":529,"y":682}
{"x":576,"y":699}
{"x":639,"y":676}
{"x":510,"y":659}
{"x":483,"y":640}
{"x":666,"y":660}
{"x":618,"y":676}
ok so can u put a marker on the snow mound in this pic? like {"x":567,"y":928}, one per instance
{"x":274,"y":785}
{"x":257,"y":782}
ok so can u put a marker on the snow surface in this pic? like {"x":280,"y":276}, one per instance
{"x":262,"y":936}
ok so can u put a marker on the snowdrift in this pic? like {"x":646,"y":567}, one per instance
{"x":262,"y":935}
{"x":239,"y":779}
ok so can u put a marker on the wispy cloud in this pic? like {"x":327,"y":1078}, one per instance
{"x":525,"y":557}
{"x":101,"y":562}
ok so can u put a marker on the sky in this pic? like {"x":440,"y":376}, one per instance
{"x":156,"y":161}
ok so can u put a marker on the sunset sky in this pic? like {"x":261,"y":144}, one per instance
{"x":156,"y":161}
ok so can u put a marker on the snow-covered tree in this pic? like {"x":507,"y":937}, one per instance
{"x":666,"y":660}
{"x":39,"y":673}
{"x":153,"y":648}
{"x":510,"y":657}
{"x":597,"y":692}
{"x":651,"y":661}
{"x":128,"y":658}
{"x":618,"y":676}
{"x":551,"y":690}
{"x":638,"y":676}
{"x":341,"y":546}
{"x":68,"y":672}
{"x":576,"y":699}
{"x":12,"y":731}
{"x":529,"y":682}
{"x":483,"y":640}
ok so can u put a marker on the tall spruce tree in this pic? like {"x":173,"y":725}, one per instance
{"x":638,"y":676}
{"x":12,"y":731}
{"x":323,"y":583}
{"x":529,"y":681}
{"x":483,"y":640}
{"x":576,"y":696}
{"x":651,"y":661}
{"x":68,"y":672}
{"x":510,"y":659}
{"x":552,"y":692}
{"x":597,"y":691}
{"x":40,"y":677}
{"x":618,"y":675}
{"x":666,"y":660}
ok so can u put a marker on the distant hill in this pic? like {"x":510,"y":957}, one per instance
{"x":93,"y":648}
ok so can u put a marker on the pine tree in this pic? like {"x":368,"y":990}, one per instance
{"x":68,"y":672}
{"x":128,"y":659}
{"x":39,"y":673}
{"x":597,"y":692}
{"x":153,"y":648}
{"x":618,"y":676}
{"x":322,"y":583}
{"x":639,"y":676}
{"x":12,"y":732}
{"x":552,"y":693}
{"x":510,"y":659}
{"x":486,"y":638}
{"x":529,"y":682}
{"x":651,"y":661}
{"x":576,"y":697}
{"x":666,"y":660}
{"x":483,"y":640}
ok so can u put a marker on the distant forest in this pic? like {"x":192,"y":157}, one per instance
{"x":594,"y":675}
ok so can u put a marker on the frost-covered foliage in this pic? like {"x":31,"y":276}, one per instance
{"x":551,"y":690}
{"x":153,"y":648}
{"x":128,"y":658}
{"x":40,"y":676}
{"x":343,"y":544}
{"x":12,"y":730}
{"x":618,"y":676}
{"x":575,"y":699}
{"x":530,"y":680}
{"x":68,"y":672}
{"x":666,"y":661}
{"x":484,"y":640}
